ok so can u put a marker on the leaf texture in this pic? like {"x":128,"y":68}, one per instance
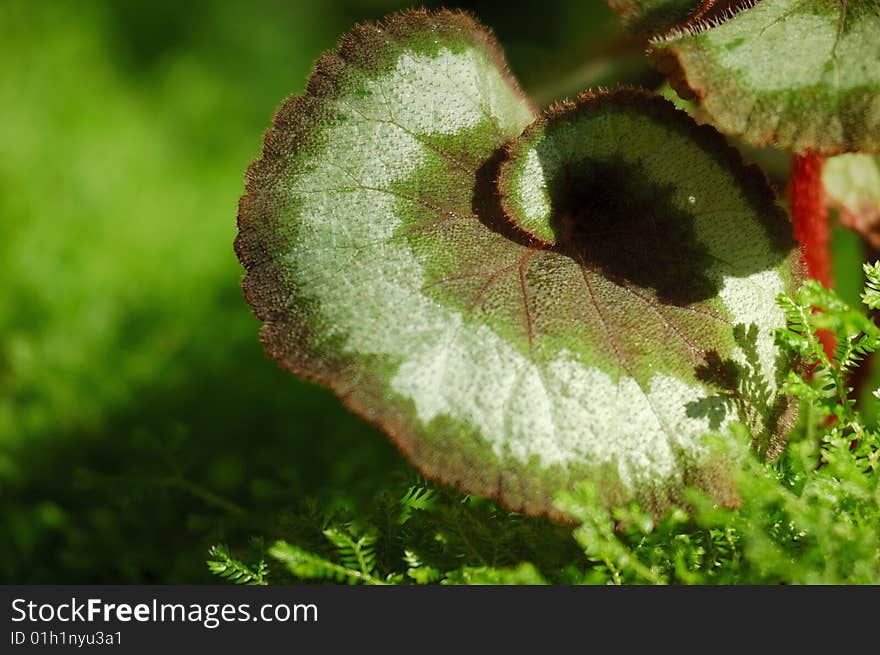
{"x":799,"y":74}
{"x":511,"y":363}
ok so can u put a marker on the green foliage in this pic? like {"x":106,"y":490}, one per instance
{"x":139,"y":419}
{"x":818,"y":309}
{"x":223,"y":564}
{"x":421,"y":534}
{"x":812,"y":516}
{"x":357,"y":560}
{"x":523,"y":574}
{"x":871,"y":294}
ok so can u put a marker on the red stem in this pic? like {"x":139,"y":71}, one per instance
{"x":809,"y":211}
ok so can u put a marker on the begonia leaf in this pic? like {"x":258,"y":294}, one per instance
{"x":507,"y":355}
{"x":803,"y":75}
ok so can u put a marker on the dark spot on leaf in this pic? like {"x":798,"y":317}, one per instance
{"x":614,"y":218}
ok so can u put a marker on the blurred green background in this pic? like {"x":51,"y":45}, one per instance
{"x":140,"y":420}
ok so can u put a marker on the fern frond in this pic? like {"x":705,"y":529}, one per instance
{"x":799,"y":335}
{"x":524,"y":574}
{"x":418,"y":571}
{"x":309,"y":566}
{"x":871,"y":294}
{"x":417,"y":498}
{"x":233,"y":570}
{"x":813,"y":294}
{"x":355,"y":553}
{"x":856,"y":336}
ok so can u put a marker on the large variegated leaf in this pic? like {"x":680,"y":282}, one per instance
{"x":381,"y":262}
{"x":801,"y":74}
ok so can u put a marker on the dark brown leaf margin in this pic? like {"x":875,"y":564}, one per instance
{"x":714,"y":12}
{"x":703,"y":15}
{"x":635,"y":17}
{"x":711,"y":14}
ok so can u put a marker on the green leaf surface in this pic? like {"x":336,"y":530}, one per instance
{"x":382,"y":265}
{"x":800,"y":74}
{"x":524,"y":574}
{"x":852,"y":183}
